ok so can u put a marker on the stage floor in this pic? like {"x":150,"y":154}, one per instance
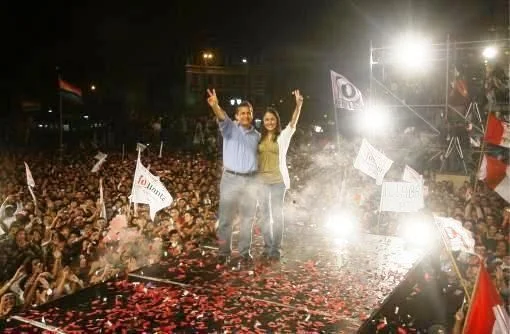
{"x":323,"y":284}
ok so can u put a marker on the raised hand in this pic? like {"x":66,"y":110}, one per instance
{"x":212,"y":99}
{"x":299,"y":98}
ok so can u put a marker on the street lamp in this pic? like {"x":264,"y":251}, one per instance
{"x":489,"y":52}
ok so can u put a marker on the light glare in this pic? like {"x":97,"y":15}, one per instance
{"x":489,"y":52}
{"x":413,"y":52}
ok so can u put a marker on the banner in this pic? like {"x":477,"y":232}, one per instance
{"x":412,"y":176}
{"x":30,"y":179}
{"x":372,"y":162}
{"x":101,"y":157}
{"x":345,"y":94}
{"x":148,"y":189}
{"x":456,"y":236}
{"x":401,"y":197}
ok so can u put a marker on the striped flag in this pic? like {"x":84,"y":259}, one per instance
{"x":69,"y":91}
{"x":496,"y":173}
{"x":498,"y":131}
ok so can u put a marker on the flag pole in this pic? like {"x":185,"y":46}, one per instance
{"x":473,"y":294}
{"x":452,"y":259}
{"x":482,"y":153}
{"x":61,"y":129}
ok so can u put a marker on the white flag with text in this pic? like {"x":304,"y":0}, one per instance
{"x":372,"y":162}
{"x":148,"y":189}
{"x":456,"y":236}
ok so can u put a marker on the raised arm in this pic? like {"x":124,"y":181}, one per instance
{"x":212,"y":100}
{"x":297,"y":110}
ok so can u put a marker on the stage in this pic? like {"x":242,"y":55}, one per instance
{"x":323,"y":284}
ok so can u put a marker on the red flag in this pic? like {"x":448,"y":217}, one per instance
{"x":486,"y":314}
{"x":496,"y":173}
{"x":498,"y":131}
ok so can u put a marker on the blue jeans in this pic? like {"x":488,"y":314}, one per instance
{"x":236,"y":193}
{"x":271,"y":198}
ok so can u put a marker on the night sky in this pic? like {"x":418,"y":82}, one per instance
{"x":120,"y":46}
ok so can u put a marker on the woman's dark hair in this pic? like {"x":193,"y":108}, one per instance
{"x":278,"y":128}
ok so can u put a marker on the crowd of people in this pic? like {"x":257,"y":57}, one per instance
{"x":64,"y":241}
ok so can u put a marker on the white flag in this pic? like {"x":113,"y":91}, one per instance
{"x":412,"y":176}
{"x":372,"y":162}
{"x":345,"y":94}
{"x":148,"y":189}
{"x":30,"y":179}
{"x":401,"y":197}
{"x":456,"y":236}
{"x":101,"y":157}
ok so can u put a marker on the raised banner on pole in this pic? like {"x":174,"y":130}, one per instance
{"x":401,"y":197}
{"x":372,"y":162}
{"x":345,"y":94}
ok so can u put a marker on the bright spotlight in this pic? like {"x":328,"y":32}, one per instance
{"x":232,"y":102}
{"x":374,"y":119}
{"x":342,"y":223}
{"x":238,"y":101}
{"x":413,"y":52}
{"x":417,"y":233}
{"x":489,"y":52}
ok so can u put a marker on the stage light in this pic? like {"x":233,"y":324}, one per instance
{"x":413,"y":52}
{"x":417,"y":232}
{"x":244,"y":60}
{"x":232,"y":102}
{"x":238,"y":101}
{"x":342,"y":224}
{"x":375,"y":119}
{"x":490,"y":52}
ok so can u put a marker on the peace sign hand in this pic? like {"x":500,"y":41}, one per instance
{"x":212,"y":99}
{"x":299,"y":98}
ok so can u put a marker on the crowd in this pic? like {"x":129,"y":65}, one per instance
{"x":65,"y":242}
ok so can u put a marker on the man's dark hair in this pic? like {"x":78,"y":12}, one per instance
{"x":244,"y":104}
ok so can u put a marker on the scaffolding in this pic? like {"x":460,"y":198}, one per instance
{"x":385,"y":83}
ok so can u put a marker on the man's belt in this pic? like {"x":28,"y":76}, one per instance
{"x":240,"y":174}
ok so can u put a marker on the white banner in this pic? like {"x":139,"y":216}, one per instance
{"x":456,"y":236}
{"x":148,"y":189}
{"x":345,"y":94}
{"x":101,"y":157}
{"x":401,"y":197}
{"x":30,"y":179}
{"x":412,"y":176}
{"x":372,"y":162}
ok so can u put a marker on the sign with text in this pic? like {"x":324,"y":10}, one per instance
{"x":372,"y":162}
{"x":401,"y":197}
